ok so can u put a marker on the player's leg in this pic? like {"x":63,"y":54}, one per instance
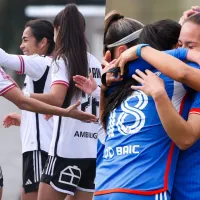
{"x":1,"y":192}
{"x":47,"y":192}
{"x":33,"y":163}
{"x":80,"y":195}
{"x":28,"y":196}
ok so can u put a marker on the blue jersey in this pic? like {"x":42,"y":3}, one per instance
{"x":139,"y":157}
{"x":187,"y":176}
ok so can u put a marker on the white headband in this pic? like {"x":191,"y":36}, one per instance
{"x":127,"y":39}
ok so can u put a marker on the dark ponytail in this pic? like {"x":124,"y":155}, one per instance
{"x":117,"y":27}
{"x":71,"y":45}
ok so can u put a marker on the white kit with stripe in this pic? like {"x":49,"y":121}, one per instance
{"x":36,"y":132}
{"x":73,"y":138}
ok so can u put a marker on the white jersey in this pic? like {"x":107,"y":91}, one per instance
{"x":73,"y":138}
{"x":5,"y":83}
{"x":36,"y":132}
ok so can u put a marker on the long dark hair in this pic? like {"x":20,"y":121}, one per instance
{"x":161,"y":35}
{"x":40,"y":29}
{"x":71,"y":45}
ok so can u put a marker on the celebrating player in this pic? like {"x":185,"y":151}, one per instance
{"x":36,"y":132}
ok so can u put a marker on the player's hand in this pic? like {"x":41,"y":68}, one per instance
{"x":188,"y":13}
{"x":106,"y":59}
{"x":73,"y":112}
{"x":47,"y":117}
{"x":196,"y":8}
{"x":126,"y":56}
{"x":13,"y":119}
{"x":151,"y":84}
{"x":87,"y":85}
{"x":110,"y":77}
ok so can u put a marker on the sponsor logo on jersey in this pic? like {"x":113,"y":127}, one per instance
{"x":110,"y":152}
{"x":85,"y":134}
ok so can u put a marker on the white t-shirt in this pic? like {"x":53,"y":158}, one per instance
{"x":36,"y":132}
{"x":73,"y":138}
{"x":5,"y":83}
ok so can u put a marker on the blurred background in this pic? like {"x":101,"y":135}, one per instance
{"x":14,"y":15}
{"x":148,"y":11}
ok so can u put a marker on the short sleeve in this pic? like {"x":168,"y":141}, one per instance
{"x":34,"y":66}
{"x":5,"y":83}
{"x":60,"y":73}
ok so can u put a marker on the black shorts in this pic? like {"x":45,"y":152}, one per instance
{"x":1,"y":178}
{"x":66,"y":175}
{"x":33,"y":164}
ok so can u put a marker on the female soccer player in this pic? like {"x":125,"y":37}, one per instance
{"x":36,"y":132}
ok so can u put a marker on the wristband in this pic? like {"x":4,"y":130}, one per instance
{"x":27,"y":94}
{"x":139,"y":48}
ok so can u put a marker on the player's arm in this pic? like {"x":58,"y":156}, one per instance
{"x":167,"y":64}
{"x":33,"y":66}
{"x":183,"y":133}
{"x":25,"y":103}
{"x":55,"y":97}
{"x":173,"y":67}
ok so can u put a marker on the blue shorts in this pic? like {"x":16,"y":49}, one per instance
{"x":126,"y":196}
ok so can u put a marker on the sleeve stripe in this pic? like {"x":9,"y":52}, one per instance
{"x":60,"y":82}
{"x":7,"y":89}
{"x":195,"y":111}
{"x":22,"y":68}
